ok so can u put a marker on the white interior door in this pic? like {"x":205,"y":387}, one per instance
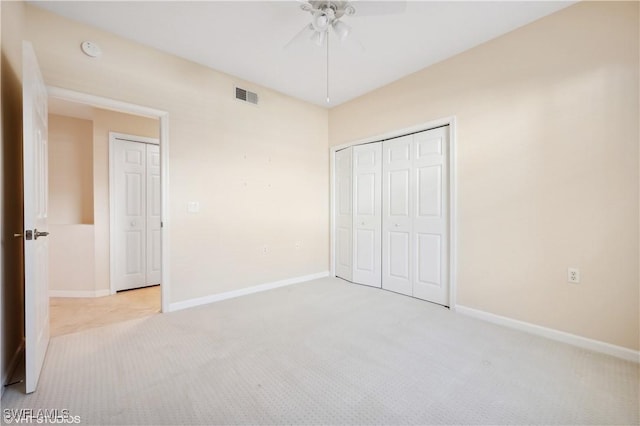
{"x":130,"y":214}
{"x":344,"y":214}
{"x":397,"y":229}
{"x":36,"y":286}
{"x":367,"y":202}
{"x":153,"y":222}
{"x":430,"y":216}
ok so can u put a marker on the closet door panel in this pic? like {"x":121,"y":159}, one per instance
{"x":397,"y":192}
{"x":130,"y":214}
{"x":399,"y":246}
{"x":366,"y":194}
{"x":428,"y":248}
{"x":154,"y":226}
{"x":430,"y":216}
{"x":367,"y":170}
{"x":365,"y":255}
{"x":344,"y":214}
{"x":429,"y":191}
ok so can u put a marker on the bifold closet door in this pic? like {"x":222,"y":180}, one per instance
{"x":137,"y":193}
{"x":430,"y":216}
{"x":344,"y":214}
{"x":397,"y":188}
{"x":367,"y":219}
{"x":415,"y":228}
{"x":154,"y":225}
{"x":130,"y":210}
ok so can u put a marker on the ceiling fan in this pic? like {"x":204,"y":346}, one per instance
{"x":327,"y":14}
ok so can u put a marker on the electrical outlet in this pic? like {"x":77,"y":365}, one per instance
{"x":265,"y":249}
{"x":573,"y":275}
{"x":298,"y":245}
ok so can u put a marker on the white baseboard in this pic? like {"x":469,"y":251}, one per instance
{"x":11,"y":367}
{"x":79,"y":293}
{"x":244,"y":291}
{"x":550,"y":333}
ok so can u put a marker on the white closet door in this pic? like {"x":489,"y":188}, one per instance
{"x":344,"y":214}
{"x":367,"y":198}
{"x":130,"y":210}
{"x":430,"y":216}
{"x":154,"y":231}
{"x":397,"y":188}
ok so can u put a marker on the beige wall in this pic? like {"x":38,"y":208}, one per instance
{"x":71,"y":239}
{"x":259,"y":173}
{"x":547,"y":143}
{"x":70,"y":170}
{"x":71,"y":261}
{"x":12,"y":308}
{"x":104,"y":122}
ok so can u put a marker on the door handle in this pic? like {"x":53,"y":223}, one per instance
{"x":17,"y":235}
{"x":37,"y":234}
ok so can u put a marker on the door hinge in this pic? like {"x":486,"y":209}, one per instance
{"x":28,"y":234}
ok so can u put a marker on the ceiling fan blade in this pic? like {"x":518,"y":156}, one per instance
{"x":353,"y":43}
{"x":303,"y":34}
{"x":377,"y":8}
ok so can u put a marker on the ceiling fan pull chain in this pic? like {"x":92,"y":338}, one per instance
{"x":328,"y":66}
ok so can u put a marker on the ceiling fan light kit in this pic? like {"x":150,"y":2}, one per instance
{"x":322,"y":19}
{"x":326,"y":15}
{"x":341,"y":29}
{"x":318,"y":37}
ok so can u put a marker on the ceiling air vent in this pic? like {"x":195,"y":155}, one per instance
{"x":247,"y":96}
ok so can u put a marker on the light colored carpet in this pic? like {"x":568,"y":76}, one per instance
{"x":327,"y":352}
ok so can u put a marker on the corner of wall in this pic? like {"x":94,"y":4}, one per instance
{"x":12,"y":299}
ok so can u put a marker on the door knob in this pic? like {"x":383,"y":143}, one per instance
{"x":37,"y":234}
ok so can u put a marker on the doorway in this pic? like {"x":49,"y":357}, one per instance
{"x":85,"y":298}
{"x":163,"y":119}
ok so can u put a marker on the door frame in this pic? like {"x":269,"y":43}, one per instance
{"x":163,"y":118}
{"x":113,"y":136}
{"x":453,"y":237}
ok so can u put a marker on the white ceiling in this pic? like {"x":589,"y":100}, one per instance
{"x":246,"y":39}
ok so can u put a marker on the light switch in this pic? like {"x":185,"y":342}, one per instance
{"x":193,"y":207}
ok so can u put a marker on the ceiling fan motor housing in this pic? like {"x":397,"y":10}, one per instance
{"x":337,"y":8}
